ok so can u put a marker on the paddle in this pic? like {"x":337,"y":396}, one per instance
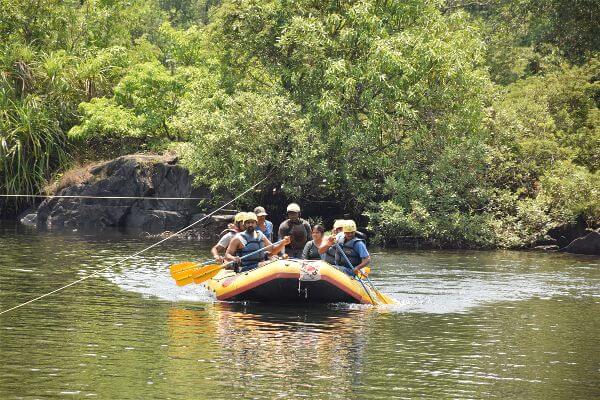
{"x":188,"y":272}
{"x":185,"y":267}
{"x":379,"y":295}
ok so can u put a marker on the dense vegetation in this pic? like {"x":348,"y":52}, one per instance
{"x":466,"y":124}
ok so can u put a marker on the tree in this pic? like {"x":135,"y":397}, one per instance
{"x":371,"y":78}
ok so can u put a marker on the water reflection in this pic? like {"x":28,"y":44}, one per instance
{"x":318,"y":350}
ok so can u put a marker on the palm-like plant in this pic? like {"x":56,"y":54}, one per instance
{"x":31,"y":145}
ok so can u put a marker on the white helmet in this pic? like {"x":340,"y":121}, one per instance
{"x":293,"y":207}
{"x":339,"y":223}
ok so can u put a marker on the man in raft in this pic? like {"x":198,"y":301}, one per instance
{"x":297,"y":228}
{"x":264,"y":225}
{"x":354,"y":247}
{"x":226,"y":236}
{"x":249,"y":241}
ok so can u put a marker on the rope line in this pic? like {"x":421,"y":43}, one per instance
{"x":102,"y":197}
{"x":133,"y":255}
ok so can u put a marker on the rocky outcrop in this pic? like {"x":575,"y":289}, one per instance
{"x":589,"y":244}
{"x":128,"y":177}
{"x":563,"y":235}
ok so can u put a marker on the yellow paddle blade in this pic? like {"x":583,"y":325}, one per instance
{"x":364,"y":272}
{"x":384,"y":298}
{"x":197,"y":274}
{"x":184,"y":281}
{"x":207,"y":272}
{"x":181,"y":267}
{"x":183,"y":275}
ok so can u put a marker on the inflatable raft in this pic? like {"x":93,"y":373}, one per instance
{"x":294,"y":281}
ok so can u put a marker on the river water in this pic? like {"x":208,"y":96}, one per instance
{"x":467,"y":325}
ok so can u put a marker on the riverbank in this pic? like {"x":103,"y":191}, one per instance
{"x":155,"y":196}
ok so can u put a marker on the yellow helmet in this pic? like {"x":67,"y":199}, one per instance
{"x":349,"y":226}
{"x":239,"y":217}
{"x":250,"y":216}
{"x":339,"y":223}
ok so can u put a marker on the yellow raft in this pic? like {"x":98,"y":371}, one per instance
{"x":294,"y":281}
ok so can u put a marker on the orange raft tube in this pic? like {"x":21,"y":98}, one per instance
{"x":294,"y":281}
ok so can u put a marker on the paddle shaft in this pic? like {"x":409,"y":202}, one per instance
{"x":253,"y":253}
{"x":339,"y":249}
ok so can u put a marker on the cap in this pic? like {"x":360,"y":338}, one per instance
{"x":260,"y":211}
{"x":293,"y":207}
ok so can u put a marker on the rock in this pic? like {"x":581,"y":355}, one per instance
{"x":564,"y":235}
{"x":197,"y":217}
{"x":129,"y":177}
{"x":589,"y":244}
{"x":29,"y":219}
{"x":223,"y":219}
{"x":155,"y":220}
{"x":551,"y":247}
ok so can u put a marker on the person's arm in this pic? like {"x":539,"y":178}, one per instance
{"x":233,"y":247}
{"x":327,"y":243}
{"x":276,"y":249}
{"x":364,"y":262}
{"x":283,"y":232}
{"x":361,"y":248}
{"x":216,"y":249}
{"x":306,"y":250}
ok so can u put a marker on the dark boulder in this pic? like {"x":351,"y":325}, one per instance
{"x":563,"y":235}
{"x":589,"y":244}
{"x":130,"y":177}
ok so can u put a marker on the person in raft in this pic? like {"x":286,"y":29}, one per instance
{"x":354,"y":247}
{"x":311,"y":248}
{"x":249,"y":241}
{"x":263,"y":225}
{"x":328,"y":254}
{"x":227,"y":235}
{"x":297,"y":228}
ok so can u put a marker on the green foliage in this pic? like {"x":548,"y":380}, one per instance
{"x":53,"y":56}
{"x":188,"y":12}
{"x":527,"y":37}
{"x":143,"y":101}
{"x":571,"y":191}
{"x":387,"y":108}
{"x":542,"y":120}
{"x":31,"y":144}
{"x":368,"y":76}
{"x":242,"y":138}
{"x":438,"y":194}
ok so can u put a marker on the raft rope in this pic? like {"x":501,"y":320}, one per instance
{"x":135,"y":254}
{"x":50,"y":196}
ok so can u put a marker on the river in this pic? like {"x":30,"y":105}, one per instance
{"x":468,"y":324}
